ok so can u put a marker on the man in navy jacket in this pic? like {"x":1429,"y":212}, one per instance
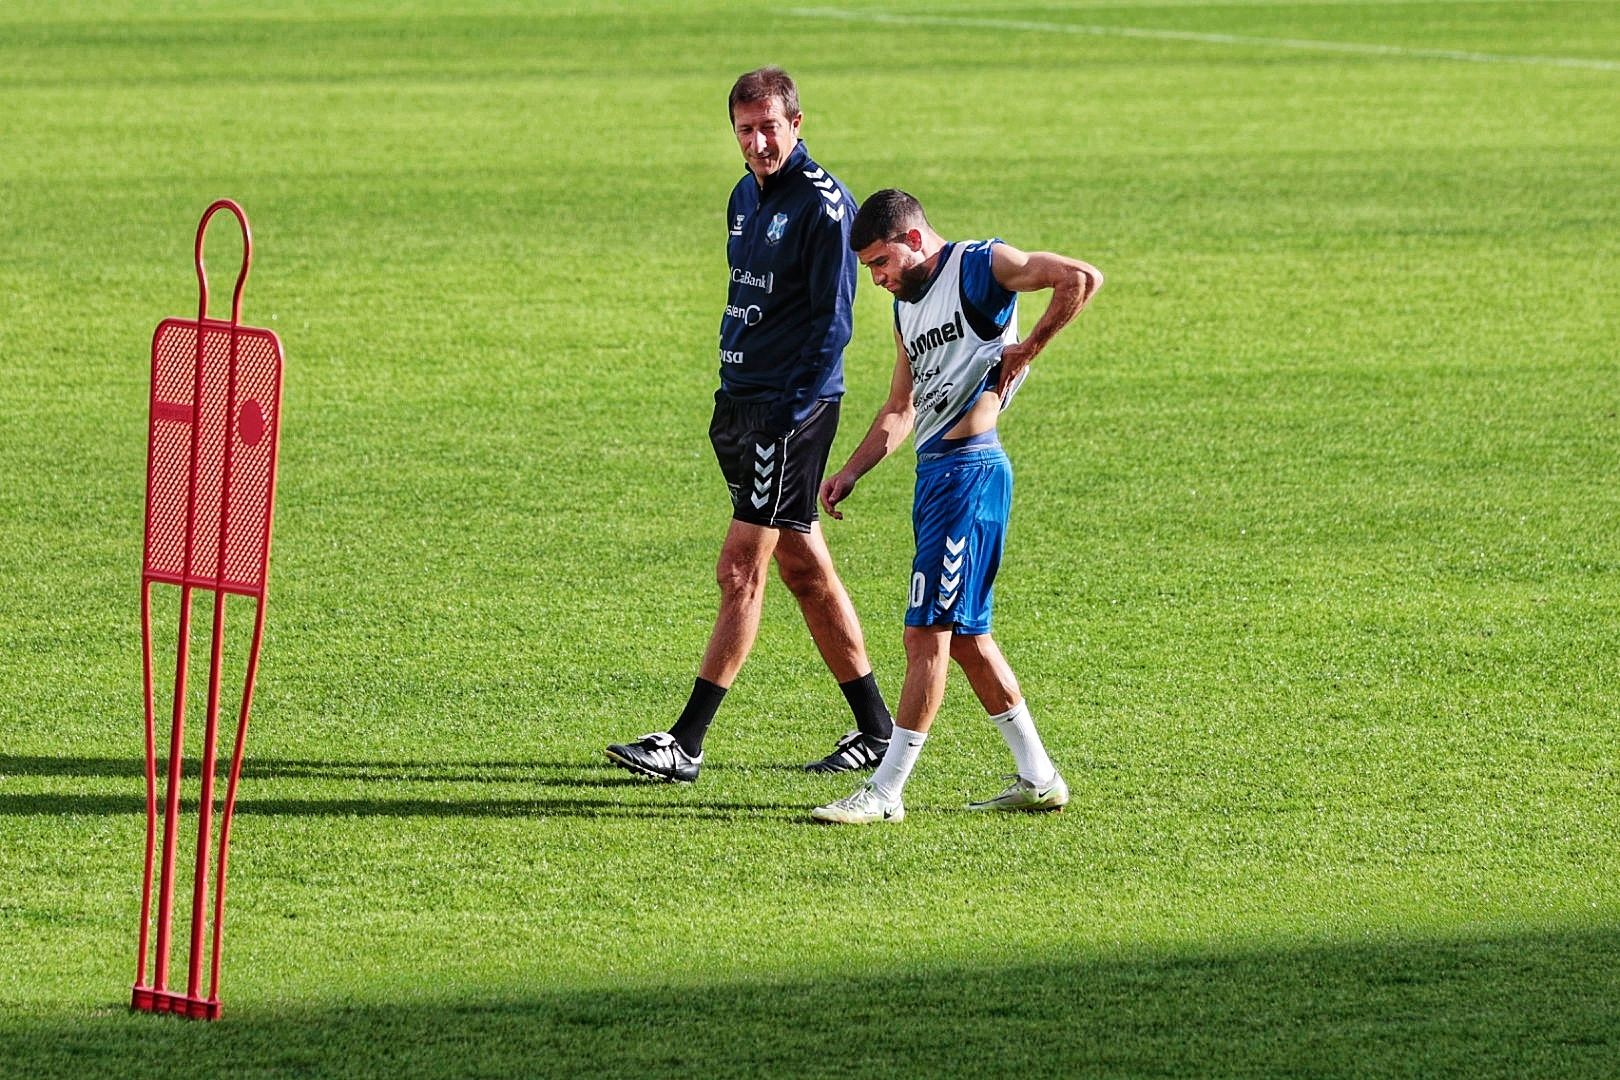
{"x":781,"y":354}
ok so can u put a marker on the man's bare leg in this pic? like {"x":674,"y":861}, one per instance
{"x":987,"y":671}
{"x":807,"y":569}
{"x":1038,"y":787}
{"x":676,"y":755}
{"x":740,"y":573}
{"x":928,"y":657}
{"x":927,"y":665}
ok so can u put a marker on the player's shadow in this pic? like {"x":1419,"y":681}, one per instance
{"x":569,"y":775}
{"x":792,"y":768}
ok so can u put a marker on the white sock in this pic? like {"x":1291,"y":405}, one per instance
{"x":889,"y":778}
{"x":1018,"y":729}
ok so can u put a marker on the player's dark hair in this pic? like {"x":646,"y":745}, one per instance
{"x":885,"y":215}
{"x":763,"y":84}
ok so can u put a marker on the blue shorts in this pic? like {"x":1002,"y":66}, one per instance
{"x":959,"y":519}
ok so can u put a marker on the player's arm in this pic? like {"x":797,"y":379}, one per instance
{"x":1073,"y":284}
{"x":889,"y":429}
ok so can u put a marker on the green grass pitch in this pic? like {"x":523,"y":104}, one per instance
{"x":1313,"y":579}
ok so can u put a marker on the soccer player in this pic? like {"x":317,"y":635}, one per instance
{"x":959,"y":363}
{"x":782,"y":339}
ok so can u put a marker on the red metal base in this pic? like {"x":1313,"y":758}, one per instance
{"x":146,"y":999}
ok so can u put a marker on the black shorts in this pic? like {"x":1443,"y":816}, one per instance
{"x":774,"y":480}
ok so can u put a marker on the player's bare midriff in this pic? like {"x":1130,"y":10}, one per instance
{"x":981,"y":418}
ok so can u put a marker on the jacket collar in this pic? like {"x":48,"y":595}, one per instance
{"x":796,"y":162}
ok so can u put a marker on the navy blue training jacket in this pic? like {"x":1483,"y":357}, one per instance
{"x":788,"y":310}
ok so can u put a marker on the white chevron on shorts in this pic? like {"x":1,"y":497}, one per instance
{"x":766,"y":468}
{"x":951,"y":580}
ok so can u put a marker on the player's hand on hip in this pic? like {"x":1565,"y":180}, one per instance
{"x":1014,"y":360}
{"x":834,"y":490}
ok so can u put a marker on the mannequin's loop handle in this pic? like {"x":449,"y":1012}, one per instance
{"x":247,"y":260}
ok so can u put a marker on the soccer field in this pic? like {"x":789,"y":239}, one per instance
{"x":1313,"y":579}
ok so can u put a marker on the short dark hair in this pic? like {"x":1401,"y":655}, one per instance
{"x":885,"y":215}
{"x":763,"y":84}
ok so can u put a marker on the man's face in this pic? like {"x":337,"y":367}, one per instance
{"x":766,"y":134}
{"x":897,"y":264}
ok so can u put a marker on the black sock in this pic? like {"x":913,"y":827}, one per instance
{"x":698,"y":714}
{"x":871,"y":715}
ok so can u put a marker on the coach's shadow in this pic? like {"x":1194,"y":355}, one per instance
{"x":570,"y":774}
{"x":467,"y":772}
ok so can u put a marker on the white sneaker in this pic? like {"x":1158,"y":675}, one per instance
{"x":1023,"y":795}
{"x":864,"y":807}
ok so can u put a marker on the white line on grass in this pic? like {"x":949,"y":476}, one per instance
{"x":967,"y":22}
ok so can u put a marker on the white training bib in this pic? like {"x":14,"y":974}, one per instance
{"x":948,"y":353}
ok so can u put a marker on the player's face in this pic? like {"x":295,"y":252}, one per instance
{"x":897,"y":265}
{"x":766,"y":134}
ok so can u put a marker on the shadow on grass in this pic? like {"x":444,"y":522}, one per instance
{"x":58,"y":805}
{"x":489,"y":772}
{"x":571,"y":776}
{"x":1535,"y":1005}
